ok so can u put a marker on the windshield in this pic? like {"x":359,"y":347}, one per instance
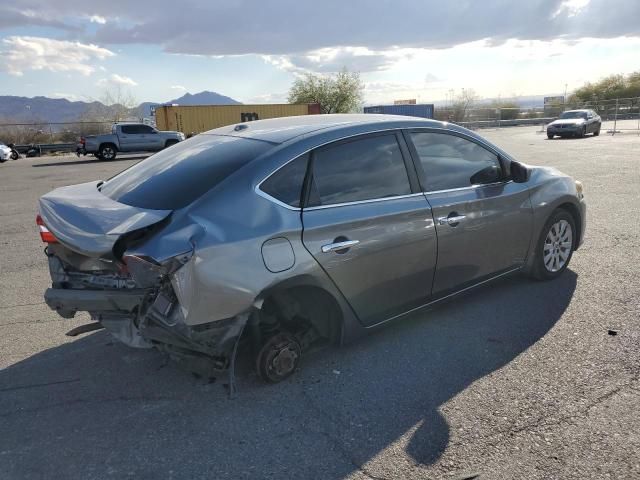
{"x":177,"y":176}
{"x":574,"y":115}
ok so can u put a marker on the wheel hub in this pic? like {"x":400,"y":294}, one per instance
{"x":279,"y":357}
{"x":284,"y":361}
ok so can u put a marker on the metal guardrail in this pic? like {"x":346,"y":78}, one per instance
{"x":47,"y":147}
{"x":506,"y":123}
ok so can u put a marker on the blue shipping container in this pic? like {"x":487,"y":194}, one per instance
{"x":424,"y":110}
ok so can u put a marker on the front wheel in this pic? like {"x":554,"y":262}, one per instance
{"x":15,"y":155}
{"x":583,"y":133}
{"x":550,"y":136}
{"x":597,"y":132}
{"x":555,"y":246}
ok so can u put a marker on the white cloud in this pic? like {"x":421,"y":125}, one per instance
{"x":571,"y":8}
{"x":97,"y":19}
{"x":178,"y":87}
{"x":21,"y":53}
{"x":118,"y":80}
{"x":330,"y":60}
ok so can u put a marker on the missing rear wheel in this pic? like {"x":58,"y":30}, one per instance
{"x":278,"y":358}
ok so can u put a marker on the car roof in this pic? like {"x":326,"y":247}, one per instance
{"x":280,"y":130}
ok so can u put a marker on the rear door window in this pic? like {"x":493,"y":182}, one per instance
{"x":449,"y":161}
{"x":363,"y":169}
{"x":129,"y":129}
{"x":176,"y":177}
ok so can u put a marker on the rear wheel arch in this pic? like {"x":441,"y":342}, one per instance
{"x":294,"y":301}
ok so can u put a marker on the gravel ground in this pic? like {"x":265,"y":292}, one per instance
{"x":519,"y":379}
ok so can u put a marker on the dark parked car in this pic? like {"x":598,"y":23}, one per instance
{"x":299,"y":231}
{"x":575,"y":123}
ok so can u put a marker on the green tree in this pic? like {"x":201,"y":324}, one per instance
{"x":613,"y":86}
{"x":340,"y":93}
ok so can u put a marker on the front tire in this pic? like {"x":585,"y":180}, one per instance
{"x":15,"y":156}
{"x":169,"y":143}
{"x":583,"y":133}
{"x":597,"y":132}
{"x":555,"y":246}
{"x":550,"y":136}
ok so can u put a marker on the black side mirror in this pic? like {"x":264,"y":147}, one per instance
{"x":486,"y":175}
{"x":519,"y":172}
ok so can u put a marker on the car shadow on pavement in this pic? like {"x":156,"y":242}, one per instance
{"x":93,"y":408}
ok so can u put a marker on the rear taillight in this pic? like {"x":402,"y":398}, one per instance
{"x":45,"y":234}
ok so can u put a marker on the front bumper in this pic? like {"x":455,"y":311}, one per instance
{"x":568,"y":130}
{"x":583,"y":222}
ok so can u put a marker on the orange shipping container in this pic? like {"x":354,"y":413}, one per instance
{"x":200,"y":118}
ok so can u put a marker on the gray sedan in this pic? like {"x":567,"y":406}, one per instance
{"x":575,"y":123}
{"x":301,"y":231}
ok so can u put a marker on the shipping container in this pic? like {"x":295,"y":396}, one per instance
{"x":424,"y":110}
{"x":200,"y":118}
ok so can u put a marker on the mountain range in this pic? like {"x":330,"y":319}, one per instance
{"x":51,"y":110}
{"x":15,"y":109}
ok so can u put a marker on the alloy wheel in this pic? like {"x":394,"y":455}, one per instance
{"x":108,"y":153}
{"x":557,"y":246}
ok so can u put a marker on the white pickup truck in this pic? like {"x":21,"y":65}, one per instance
{"x":127,"y":137}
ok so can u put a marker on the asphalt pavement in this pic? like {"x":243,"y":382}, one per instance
{"x":518,"y":379}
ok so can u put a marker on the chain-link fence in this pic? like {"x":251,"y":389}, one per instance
{"x":618,"y":115}
{"x":50,"y":133}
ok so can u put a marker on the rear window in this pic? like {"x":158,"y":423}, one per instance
{"x":176,"y":177}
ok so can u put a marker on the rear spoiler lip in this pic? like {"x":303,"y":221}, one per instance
{"x":90,"y":223}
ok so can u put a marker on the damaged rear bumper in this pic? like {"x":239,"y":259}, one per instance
{"x":133,"y":317}
{"x":69,"y":301}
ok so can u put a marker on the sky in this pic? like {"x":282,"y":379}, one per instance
{"x":253,"y":50}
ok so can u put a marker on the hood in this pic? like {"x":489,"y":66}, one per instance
{"x":90,"y":223}
{"x":4,"y":148}
{"x":568,"y":121}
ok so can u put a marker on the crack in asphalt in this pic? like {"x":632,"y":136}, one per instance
{"x":33,"y":322}
{"x":80,"y":401}
{"x":34,"y":385}
{"x":567,"y":418}
{"x":6,"y":307}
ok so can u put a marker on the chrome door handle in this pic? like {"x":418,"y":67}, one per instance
{"x":332,"y":247}
{"x":453,"y":221}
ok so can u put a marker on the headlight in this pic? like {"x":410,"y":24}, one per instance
{"x":181,"y":136}
{"x":579,"y":189}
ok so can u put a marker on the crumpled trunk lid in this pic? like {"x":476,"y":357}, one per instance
{"x":88,"y":222}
